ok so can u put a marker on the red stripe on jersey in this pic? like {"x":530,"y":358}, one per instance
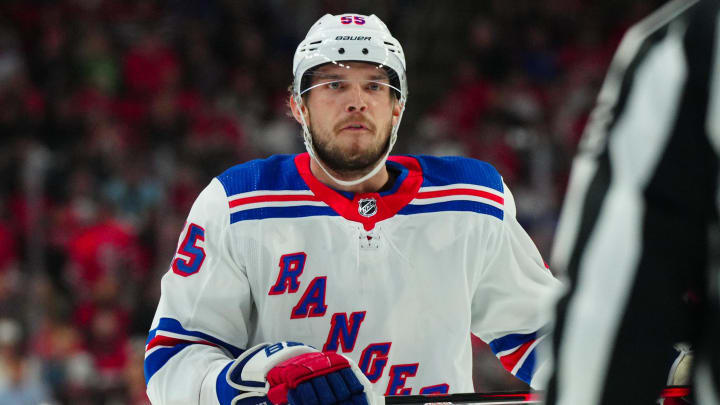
{"x":160,"y":340}
{"x":509,"y":361}
{"x":269,"y":198}
{"x":460,"y":191}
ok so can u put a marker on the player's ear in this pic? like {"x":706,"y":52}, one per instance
{"x":297,"y":109}
{"x":396,"y":110}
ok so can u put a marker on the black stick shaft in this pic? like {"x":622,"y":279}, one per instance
{"x":501,"y":397}
{"x":461,"y":398}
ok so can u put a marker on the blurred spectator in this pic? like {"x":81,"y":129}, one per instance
{"x":21,"y":381}
{"x":96,"y":62}
{"x":105,"y":250}
{"x":10,"y":277}
{"x":67,"y":367}
{"x":135,"y":375}
{"x":8,"y":247}
{"x":151,"y":65}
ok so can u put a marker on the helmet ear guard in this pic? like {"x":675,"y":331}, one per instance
{"x":349,"y":38}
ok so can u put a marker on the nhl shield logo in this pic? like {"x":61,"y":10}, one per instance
{"x":367,"y":207}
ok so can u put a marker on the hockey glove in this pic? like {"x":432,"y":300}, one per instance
{"x":294,"y":373}
{"x":315,"y":378}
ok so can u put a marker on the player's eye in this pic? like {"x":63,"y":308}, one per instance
{"x":374,"y":86}
{"x":334,"y":85}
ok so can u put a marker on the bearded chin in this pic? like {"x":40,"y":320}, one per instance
{"x":340,"y":162}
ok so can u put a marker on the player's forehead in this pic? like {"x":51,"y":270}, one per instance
{"x":350,"y":71}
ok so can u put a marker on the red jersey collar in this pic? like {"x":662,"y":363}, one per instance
{"x":374,"y":206}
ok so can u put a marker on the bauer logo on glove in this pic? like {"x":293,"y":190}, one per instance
{"x":297,"y":374}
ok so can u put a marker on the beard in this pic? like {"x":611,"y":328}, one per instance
{"x":349,"y":163}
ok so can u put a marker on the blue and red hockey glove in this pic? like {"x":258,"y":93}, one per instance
{"x":315,"y":378}
{"x":292,"y":373}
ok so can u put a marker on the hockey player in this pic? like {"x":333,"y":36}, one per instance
{"x":343,"y":273}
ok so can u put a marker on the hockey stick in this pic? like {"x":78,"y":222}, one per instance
{"x":513,"y":397}
{"x":505,"y":398}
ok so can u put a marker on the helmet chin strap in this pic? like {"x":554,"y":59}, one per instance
{"x":307,"y":138}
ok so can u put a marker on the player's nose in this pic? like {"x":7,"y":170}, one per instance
{"x":356,"y":99}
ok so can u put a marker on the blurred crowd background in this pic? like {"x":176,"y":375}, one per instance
{"x":114,"y":114}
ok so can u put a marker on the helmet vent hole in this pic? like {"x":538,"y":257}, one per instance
{"x":364,"y":51}
{"x":341,"y":51}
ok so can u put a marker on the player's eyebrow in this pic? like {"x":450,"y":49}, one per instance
{"x":331,"y":76}
{"x":337,"y":76}
{"x":379,"y":77}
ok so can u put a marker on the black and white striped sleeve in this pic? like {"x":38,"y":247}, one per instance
{"x":632,"y":238}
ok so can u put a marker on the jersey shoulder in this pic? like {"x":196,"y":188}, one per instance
{"x":442,"y":171}
{"x":275,"y":173}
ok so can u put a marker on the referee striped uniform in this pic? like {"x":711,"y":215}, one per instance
{"x":642,"y":204}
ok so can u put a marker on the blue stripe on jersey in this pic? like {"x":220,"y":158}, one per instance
{"x":441,"y":171}
{"x":277,"y":172}
{"x":472,"y":206}
{"x":508,"y":342}
{"x":525,"y":372}
{"x":159,"y":357}
{"x":281,"y":212}
{"x":173,"y":325}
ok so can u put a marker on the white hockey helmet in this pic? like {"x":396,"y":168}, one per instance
{"x":345,"y":38}
{"x":349,"y":37}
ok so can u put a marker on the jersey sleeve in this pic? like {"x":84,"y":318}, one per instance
{"x":201,"y":322}
{"x":512,"y":296}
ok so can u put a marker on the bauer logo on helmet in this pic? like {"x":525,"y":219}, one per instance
{"x":352,"y":38}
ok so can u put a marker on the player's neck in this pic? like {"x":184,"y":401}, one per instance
{"x":371,"y":185}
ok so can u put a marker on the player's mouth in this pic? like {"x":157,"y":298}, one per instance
{"x":355,"y":127}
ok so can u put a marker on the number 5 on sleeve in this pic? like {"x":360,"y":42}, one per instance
{"x":190,"y":256}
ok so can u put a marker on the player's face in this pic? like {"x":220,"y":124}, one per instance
{"x":351,"y":114}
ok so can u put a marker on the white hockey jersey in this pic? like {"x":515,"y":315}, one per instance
{"x":396,"y":280}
